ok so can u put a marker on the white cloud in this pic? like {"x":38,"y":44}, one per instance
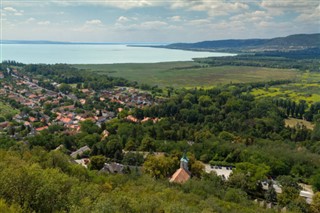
{"x":144,"y":26}
{"x":212,"y":8}
{"x":128,"y":4}
{"x":180,"y":4}
{"x":276,"y":7}
{"x":251,"y":17}
{"x":123,"y":19}
{"x":175,"y":18}
{"x":94,"y":22}
{"x":29,"y":20}
{"x":290,"y":4}
{"x":199,"y":22}
{"x":153,"y":24}
{"x":43,"y":22}
{"x":10,"y":9}
{"x":93,"y":25}
{"x":312,"y":16}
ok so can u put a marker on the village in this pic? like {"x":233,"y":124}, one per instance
{"x":43,"y":107}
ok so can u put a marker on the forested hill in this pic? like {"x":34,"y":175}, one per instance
{"x":292,"y":42}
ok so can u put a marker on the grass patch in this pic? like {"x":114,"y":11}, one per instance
{"x":6,"y":110}
{"x":293,"y":122}
{"x":189,"y":74}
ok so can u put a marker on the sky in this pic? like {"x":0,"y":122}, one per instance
{"x":156,"y":21}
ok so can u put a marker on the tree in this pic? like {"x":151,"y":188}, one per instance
{"x":235,"y":195}
{"x":197,"y":169}
{"x":89,"y":127}
{"x":147,"y":144}
{"x":205,"y":101}
{"x":254,"y":173}
{"x":4,"y":207}
{"x":316,"y":132}
{"x":65,"y":88}
{"x":288,"y":195}
{"x":160,"y":166}
{"x":133,"y":159}
{"x":97,"y":162}
{"x":138,"y":113}
{"x":89,"y":140}
{"x":315,"y":180}
{"x":315,"y":205}
{"x":114,"y":146}
{"x":271,"y":195}
{"x":299,"y":205}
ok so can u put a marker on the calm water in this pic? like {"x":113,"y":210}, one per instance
{"x":95,"y":54}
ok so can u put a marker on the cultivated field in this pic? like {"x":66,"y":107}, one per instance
{"x":189,"y":74}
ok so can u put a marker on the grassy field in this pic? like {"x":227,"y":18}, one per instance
{"x":7,"y":110}
{"x":307,"y":88}
{"x":189,"y":74}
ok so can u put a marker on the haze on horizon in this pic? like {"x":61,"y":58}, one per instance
{"x":156,"y":21}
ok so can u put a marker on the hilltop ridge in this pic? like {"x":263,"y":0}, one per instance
{"x":288,"y":43}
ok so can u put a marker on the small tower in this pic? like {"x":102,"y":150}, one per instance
{"x":184,"y":162}
{"x":182,"y":174}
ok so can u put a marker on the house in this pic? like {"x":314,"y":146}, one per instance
{"x":132,"y":119}
{"x":146,"y":119}
{"x":85,"y":91}
{"x":4,"y":124}
{"x":70,"y":107}
{"x":113,"y":168}
{"x":82,"y":101}
{"x":80,"y":151}
{"x":33,"y":96}
{"x":105,"y":134}
{"x":41,"y":128}
{"x":32,"y":119}
{"x":83,"y":162}
{"x":223,"y":171}
{"x":183,"y":174}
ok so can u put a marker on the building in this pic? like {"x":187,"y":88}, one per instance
{"x":182,"y":174}
{"x":80,"y":151}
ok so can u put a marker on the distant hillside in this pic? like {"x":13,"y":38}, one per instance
{"x":292,"y":42}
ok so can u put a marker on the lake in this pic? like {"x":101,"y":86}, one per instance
{"x":96,"y":54}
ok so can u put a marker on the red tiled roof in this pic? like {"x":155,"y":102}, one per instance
{"x":145,"y":119}
{"x":131,"y":118}
{"x":32,"y":119}
{"x":32,"y":96}
{"x":180,"y":176}
{"x":66,"y":120}
{"x":41,"y":128}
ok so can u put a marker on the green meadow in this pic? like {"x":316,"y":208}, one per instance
{"x":189,"y":74}
{"x":306,"y":88}
{"x":7,"y":110}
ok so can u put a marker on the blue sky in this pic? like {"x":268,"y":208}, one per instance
{"x":156,"y":21}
